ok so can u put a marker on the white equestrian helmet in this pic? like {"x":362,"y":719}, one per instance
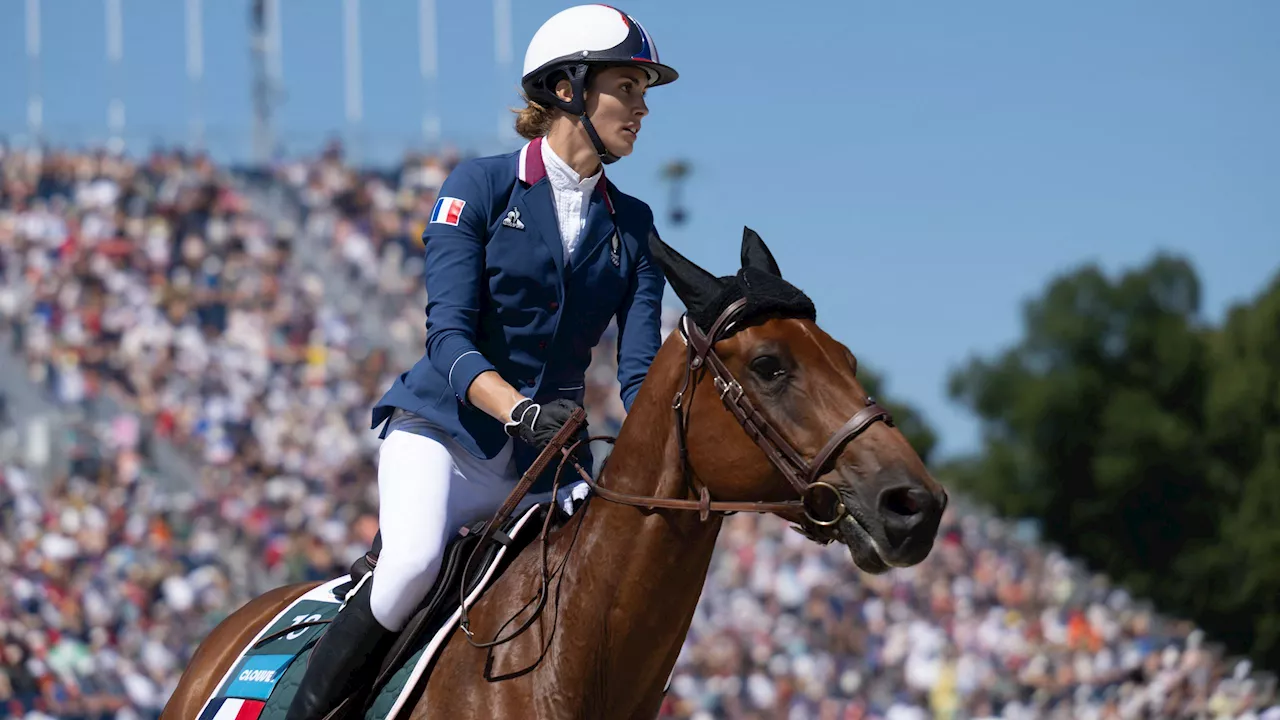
{"x":582,"y":36}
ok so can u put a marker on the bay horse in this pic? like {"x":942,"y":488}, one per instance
{"x":782,"y":426}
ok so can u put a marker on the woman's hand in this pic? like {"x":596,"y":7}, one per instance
{"x":521,"y":417}
{"x":495,"y":396}
{"x":537,"y":424}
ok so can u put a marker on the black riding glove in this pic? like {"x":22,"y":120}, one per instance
{"x":537,"y":424}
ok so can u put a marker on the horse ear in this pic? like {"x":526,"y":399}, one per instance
{"x":695,"y":287}
{"x":756,"y":254}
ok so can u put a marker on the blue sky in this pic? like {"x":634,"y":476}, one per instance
{"x":920,"y":169}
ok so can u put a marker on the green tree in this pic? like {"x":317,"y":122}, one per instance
{"x":1243,"y":431}
{"x":1144,"y":442}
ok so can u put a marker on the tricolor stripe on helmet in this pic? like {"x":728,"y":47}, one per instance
{"x":648,"y":51}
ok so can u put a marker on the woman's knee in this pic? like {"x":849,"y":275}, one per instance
{"x":413,"y":562}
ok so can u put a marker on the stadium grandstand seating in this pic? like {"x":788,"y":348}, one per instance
{"x":212,"y":341}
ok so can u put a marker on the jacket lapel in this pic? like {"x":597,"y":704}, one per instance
{"x":537,"y":206}
{"x":598,"y":229}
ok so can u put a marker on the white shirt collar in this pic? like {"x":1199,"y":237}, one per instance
{"x":562,"y":175}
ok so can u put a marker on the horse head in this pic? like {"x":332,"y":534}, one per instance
{"x":812,"y":435}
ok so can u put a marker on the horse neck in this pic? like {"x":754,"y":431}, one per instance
{"x":651,"y":564}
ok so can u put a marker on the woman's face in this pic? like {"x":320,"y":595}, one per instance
{"x":615,"y":104}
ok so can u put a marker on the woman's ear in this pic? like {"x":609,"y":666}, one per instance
{"x":564,"y":90}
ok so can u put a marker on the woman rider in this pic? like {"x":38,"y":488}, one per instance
{"x":529,"y":255}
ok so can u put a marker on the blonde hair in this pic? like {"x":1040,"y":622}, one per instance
{"x":534,"y":120}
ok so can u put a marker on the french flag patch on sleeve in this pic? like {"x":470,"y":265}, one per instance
{"x":448,"y":210}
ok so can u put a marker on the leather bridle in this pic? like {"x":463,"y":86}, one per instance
{"x":802,"y":474}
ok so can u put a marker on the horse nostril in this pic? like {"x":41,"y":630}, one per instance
{"x":904,"y":501}
{"x":902,"y":509}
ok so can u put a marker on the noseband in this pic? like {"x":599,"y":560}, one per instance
{"x":802,"y":474}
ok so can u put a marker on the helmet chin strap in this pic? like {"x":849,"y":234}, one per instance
{"x":606,"y":156}
{"x":577,"y":76}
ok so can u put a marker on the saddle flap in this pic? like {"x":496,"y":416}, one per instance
{"x":443,"y":598}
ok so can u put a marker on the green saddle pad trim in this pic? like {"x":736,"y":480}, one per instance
{"x":273,"y":670}
{"x":298,"y":646}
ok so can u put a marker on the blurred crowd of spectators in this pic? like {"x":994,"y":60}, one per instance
{"x":991,"y":625}
{"x":156,"y":284}
{"x":250,"y":321}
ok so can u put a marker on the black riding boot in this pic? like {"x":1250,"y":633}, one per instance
{"x":344,"y":662}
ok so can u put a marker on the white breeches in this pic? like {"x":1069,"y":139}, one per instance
{"x":428,"y":487}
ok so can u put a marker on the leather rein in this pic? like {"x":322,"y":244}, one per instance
{"x":802,"y":474}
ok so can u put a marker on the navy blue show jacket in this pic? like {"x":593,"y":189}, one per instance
{"x":501,"y":296}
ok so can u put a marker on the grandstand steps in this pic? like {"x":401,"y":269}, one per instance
{"x":38,"y":423}
{"x":29,"y":419}
{"x":363,"y":306}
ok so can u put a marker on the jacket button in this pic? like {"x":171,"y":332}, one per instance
{"x":542,"y":345}
{"x":553,"y":305}
{"x":530,"y":382}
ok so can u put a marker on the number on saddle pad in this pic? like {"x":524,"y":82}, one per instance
{"x":269,"y":669}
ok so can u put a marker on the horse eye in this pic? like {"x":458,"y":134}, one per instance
{"x":767,"y":367}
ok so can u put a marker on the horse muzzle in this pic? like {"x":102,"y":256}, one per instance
{"x":894,"y":527}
